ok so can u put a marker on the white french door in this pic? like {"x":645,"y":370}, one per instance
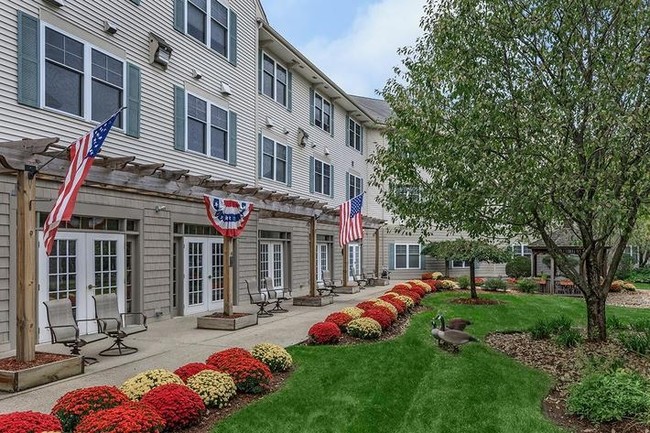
{"x":272,"y":262}
{"x":354,"y":260}
{"x":322,"y":260}
{"x":80,"y":266}
{"x":203,"y":275}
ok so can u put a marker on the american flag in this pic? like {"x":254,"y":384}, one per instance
{"x":351,"y":226}
{"x":82,"y":155}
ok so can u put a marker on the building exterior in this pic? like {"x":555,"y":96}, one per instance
{"x":229,"y":107}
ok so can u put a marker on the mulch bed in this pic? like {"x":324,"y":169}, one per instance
{"x":42,"y":358}
{"x":223,"y":316}
{"x":565,"y":365}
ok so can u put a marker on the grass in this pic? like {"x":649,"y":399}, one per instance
{"x":409,"y":385}
{"x":643,"y":286}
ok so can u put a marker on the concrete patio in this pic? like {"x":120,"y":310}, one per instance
{"x":172,"y":343}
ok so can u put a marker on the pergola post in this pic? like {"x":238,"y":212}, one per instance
{"x":377,"y":253}
{"x":533,"y":264}
{"x":227,"y":276}
{"x":312,"y":256}
{"x":26,"y":302}
{"x":346,"y":270}
{"x":552,"y":275}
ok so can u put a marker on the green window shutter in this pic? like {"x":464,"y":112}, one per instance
{"x":391,"y":256}
{"x":312,"y":170}
{"x":347,"y":186}
{"x":232,"y":138}
{"x":232,"y":40}
{"x":347,"y":130}
{"x":311,"y":105}
{"x":289,"y":91}
{"x":260,"y":156}
{"x":136,"y":2}
{"x":332,"y":119}
{"x":260,"y":74}
{"x":289,"y":164}
{"x":179,"y":15}
{"x":362,"y":131}
{"x":133,"y":87}
{"x":28,"y":60}
{"x":179,"y":118}
{"x":331,"y":180}
{"x":423,"y":260}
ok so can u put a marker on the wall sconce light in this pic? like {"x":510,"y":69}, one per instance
{"x":285,"y":131}
{"x":160,"y":208}
{"x":269,"y":122}
{"x":159,"y":51}
{"x":313,"y":145}
{"x":109,"y":27}
{"x":326,"y":151}
{"x":302,"y":137}
{"x":225,"y":89}
{"x":196,"y":74}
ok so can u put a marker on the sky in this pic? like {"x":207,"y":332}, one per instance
{"x":354,"y":42}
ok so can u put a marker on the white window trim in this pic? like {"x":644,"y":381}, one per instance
{"x":322,"y":117}
{"x":286,"y":161}
{"x":322,"y":186}
{"x":87,"y":76}
{"x":208,"y":29}
{"x":350,"y":178}
{"x":275,"y":80}
{"x":464,"y":266}
{"x":360,"y":144}
{"x":209,"y":103}
{"x":408,"y":247}
{"x":520,"y":249}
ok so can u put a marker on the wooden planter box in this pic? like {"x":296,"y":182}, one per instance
{"x":12,"y":381}
{"x":347,"y":290}
{"x":226,"y":323}
{"x":313,"y":301}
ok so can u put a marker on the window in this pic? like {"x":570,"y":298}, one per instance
{"x":207,"y":128}
{"x":274,"y":160}
{"x":355,"y":186}
{"x":407,"y":256}
{"x":322,"y":177}
{"x":322,"y":113}
{"x":80,"y":79}
{"x":459,"y":264}
{"x":355,"y":136}
{"x":207,"y":21}
{"x":410,"y":193}
{"x":274,"y":80}
{"x":520,"y":250}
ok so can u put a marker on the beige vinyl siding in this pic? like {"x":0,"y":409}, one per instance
{"x":5,"y":268}
{"x":157,"y":121}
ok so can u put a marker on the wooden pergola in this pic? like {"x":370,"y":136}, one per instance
{"x":44,"y":159}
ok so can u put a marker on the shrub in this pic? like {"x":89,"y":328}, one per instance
{"x":188,"y":370}
{"x":616,"y":286}
{"x":381,"y":315}
{"x":140,"y":384}
{"x":366,"y":305}
{"x":560,"y":324}
{"x":339,"y":319}
{"x":28,"y":422}
{"x":219,"y":358}
{"x":427,"y":276}
{"x":568,"y":338}
{"x":132,"y":417}
{"x":419,"y":290}
{"x":353,"y":312}
{"x":421,"y":284}
{"x":436,"y":275}
{"x":402,"y":286}
{"x":178,"y":405}
{"x":540,"y":330}
{"x":518,"y":267}
{"x":392,"y":300}
{"x":464,"y":282}
{"x":324,"y":333}
{"x":640,"y":275}
{"x":447,"y":285}
{"x":624,"y":270}
{"x":527,"y":285}
{"x":604,"y":397}
{"x":433,"y":284}
{"x":407,"y":300}
{"x":74,"y":405}
{"x":365,"y":328}
{"x":390,"y":307}
{"x":274,"y":356}
{"x":494,"y":284}
{"x":411,"y":294}
{"x":250,"y":375}
{"x":214,"y":388}
{"x":638,"y":342}
{"x":615,"y":323}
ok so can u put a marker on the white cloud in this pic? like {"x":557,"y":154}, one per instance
{"x":362,"y":59}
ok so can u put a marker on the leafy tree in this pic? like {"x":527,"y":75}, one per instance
{"x":470,"y":251}
{"x":525,"y":117}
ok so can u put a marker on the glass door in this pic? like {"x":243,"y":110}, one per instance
{"x":354,"y":260}
{"x":203,"y":277}
{"x":272,"y":262}
{"x":322,"y":260}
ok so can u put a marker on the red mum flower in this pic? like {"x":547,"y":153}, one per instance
{"x":28,"y":422}
{"x":132,"y":417}
{"x":218,"y":359}
{"x":324,"y":333}
{"x":381,"y":315}
{"x":177,"y":404}
{"x":73,"y":406}
{"x":250,"y":375}
{"x":188,"y":370}
{"x":366,"y":305}
{"x":340,"y":319}
{"x":399,"y":305}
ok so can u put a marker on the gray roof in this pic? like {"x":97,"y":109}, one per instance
{"x":378,"y":108}
{"x":564,"y":238}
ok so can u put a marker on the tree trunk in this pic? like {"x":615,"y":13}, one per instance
{"x":596,"y":320}
{"x":472,"y":282}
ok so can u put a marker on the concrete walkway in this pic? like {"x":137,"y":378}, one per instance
{"x":172,"y":343}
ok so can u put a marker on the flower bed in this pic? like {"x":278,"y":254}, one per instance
{"x":178,"y":405}
{"x":339,"y":319}
{"x":324,"y":333}
{"x":274,"y":356}
{"x":188,"y":370}
{"x":381,"y":315}
{"x":140,"y":384}
{"x":250,"y":375}
{"x":73,"y":406}
{"x":132,"y":417}
{"x":28,"y":422}
{"x":399,"y":305}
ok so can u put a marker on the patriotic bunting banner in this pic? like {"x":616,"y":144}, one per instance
{"x":229,"y":217}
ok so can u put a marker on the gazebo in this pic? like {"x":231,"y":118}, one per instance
{"x":568,"y":243}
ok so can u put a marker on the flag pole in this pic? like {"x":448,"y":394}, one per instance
{"x":227,"y":276}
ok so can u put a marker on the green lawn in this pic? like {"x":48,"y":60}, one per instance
{"x":644,"y":286}
{"x":409,"y":385}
